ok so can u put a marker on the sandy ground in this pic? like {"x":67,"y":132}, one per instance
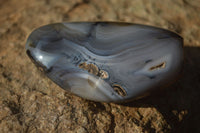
{"x":30,"y":102}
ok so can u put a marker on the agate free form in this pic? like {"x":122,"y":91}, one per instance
{"x":106,"y":61}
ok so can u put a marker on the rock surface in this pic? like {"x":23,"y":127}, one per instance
{"x":29,"y":102}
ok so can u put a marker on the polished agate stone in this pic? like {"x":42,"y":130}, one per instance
{"x":106,"y":61}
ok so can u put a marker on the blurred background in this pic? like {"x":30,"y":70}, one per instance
{"x":29,"y":102}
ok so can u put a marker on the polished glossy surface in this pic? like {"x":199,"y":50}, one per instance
{"x":106,"y":61}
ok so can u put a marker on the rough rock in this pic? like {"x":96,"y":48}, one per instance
{"x":30,"y":102}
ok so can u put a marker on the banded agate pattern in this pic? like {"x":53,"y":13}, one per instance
{"x":106,"y":61}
